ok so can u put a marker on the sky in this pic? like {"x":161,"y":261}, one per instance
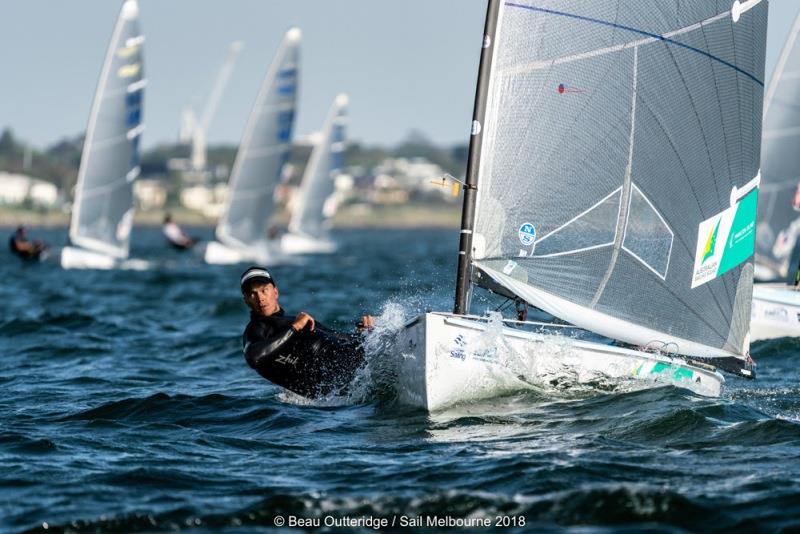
{"x":406,"y":65}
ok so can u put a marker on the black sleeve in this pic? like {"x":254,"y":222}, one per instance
{"x":262,"y":343}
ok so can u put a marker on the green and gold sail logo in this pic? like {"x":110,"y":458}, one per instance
{"x":733,"y":229}
{"x":711,"y":242}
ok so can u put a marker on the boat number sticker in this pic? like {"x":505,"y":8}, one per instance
{"x":725,"y":240}
{"x":527,"y":234}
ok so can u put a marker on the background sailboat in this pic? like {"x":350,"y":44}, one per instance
{"x":612,"y":182}
{"x":102,"y":213}
{"x":776,"y":306}
{"x":310,"y":223}
{"x":243,"y":232}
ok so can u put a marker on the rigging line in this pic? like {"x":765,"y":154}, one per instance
{"x":638,"y":31}
{"x":504,"y":305}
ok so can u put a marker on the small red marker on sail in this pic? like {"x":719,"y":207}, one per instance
{"x":563,"y":88}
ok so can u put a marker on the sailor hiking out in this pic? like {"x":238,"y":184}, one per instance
{"x":297,"y":353}
{"x":176,"y":237}
{"x":21,"y":247}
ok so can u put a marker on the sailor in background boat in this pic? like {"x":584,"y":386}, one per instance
{"x":297,"y":353}
{"x":177,"y":237}
{"x":27,"y":250}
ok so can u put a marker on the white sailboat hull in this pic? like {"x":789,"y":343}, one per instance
{"x":262,"y":253}
{"x":447,"y":361}
{"x":776,"y":312}
{"x":293,"y":243}
{"x":81,"y":258}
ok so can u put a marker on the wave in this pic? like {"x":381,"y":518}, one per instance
{"x":180,"y":409}
{"x":604,"y":506}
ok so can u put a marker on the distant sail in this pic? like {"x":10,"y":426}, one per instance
{"x":619,"y":164}
{"x":263,"y":151}
{"x":325,"y":162}
{"x":778,"y":207}
{"x":102,"y":213}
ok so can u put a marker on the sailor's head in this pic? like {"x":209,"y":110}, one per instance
{"x":259,"y":291}
{"x":21,"y":231}
{"x":167,"y":218}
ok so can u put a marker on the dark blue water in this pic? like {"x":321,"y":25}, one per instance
{"x":127,"y":406}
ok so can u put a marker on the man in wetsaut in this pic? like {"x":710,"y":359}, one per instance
{"x":23,"y":248}
{"x":297,"y":353}
{"x":176,"y":237}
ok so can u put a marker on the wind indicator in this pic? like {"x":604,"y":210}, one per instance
{"x":456,"y":183}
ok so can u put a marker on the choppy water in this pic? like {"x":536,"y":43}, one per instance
{"x":126,"y":406}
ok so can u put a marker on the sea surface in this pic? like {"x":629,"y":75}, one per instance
{"x":126,"y":406}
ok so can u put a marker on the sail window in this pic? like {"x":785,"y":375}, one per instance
{"x":648,"y":238}
{"x":594,"y":228}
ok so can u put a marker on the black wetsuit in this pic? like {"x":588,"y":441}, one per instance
{"x":24,"y":254}
{"x":312,"y":364}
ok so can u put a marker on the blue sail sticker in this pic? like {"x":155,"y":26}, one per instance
{"x":527,"y":234}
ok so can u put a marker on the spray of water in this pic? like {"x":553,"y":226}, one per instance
{"x":375,"y":379}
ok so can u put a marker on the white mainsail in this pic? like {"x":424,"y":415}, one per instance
{"x":102,"y":213}
{"x":309,"y":217}
{"x":620,"y":151}
{"x":263,"y":152}
{"x":778,"y":217}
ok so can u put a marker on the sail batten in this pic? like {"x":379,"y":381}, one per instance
{"x":652,"y":37}
{"x":102,"y":210}
{"x":609,"y":166}
{"x":263,"y":151}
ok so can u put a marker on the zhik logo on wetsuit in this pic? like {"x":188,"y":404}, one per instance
{"x":287,"y":359}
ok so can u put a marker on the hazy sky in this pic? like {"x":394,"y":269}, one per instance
{"x":408,"y":64}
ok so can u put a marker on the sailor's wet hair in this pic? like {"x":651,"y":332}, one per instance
{"x":253,"y":275}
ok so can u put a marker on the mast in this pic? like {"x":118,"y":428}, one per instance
{"x":473,"y":159}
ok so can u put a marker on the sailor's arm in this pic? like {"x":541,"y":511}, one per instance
{"x":259,"y":350}
{"x":24,"y":246}
{"x":260,"y":347}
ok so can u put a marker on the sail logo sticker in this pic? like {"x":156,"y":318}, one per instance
{"x":527,"y":234}
{"x":563,"y":88}
{"x":725,"y":240}
{"x":711,"y":243}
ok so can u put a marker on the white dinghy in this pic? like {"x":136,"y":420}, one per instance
{"x":102,"y":213}
{"x":612,"y":182}
{"x":776,"y":304}
{"x":242,"y":232}
{"x":309,"y":228}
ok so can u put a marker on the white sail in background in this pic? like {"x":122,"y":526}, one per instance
{"x":309,"y":217}
{"x":619,"y":167}
{"x":263,"y":152}
{"x":778,"y":216}
{"x":102,"y":213}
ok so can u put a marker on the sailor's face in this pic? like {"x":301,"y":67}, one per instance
{"x":262,"y":298}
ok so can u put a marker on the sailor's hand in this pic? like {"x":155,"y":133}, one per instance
{"x":302,"y":320}
{"x":367,"y":323}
